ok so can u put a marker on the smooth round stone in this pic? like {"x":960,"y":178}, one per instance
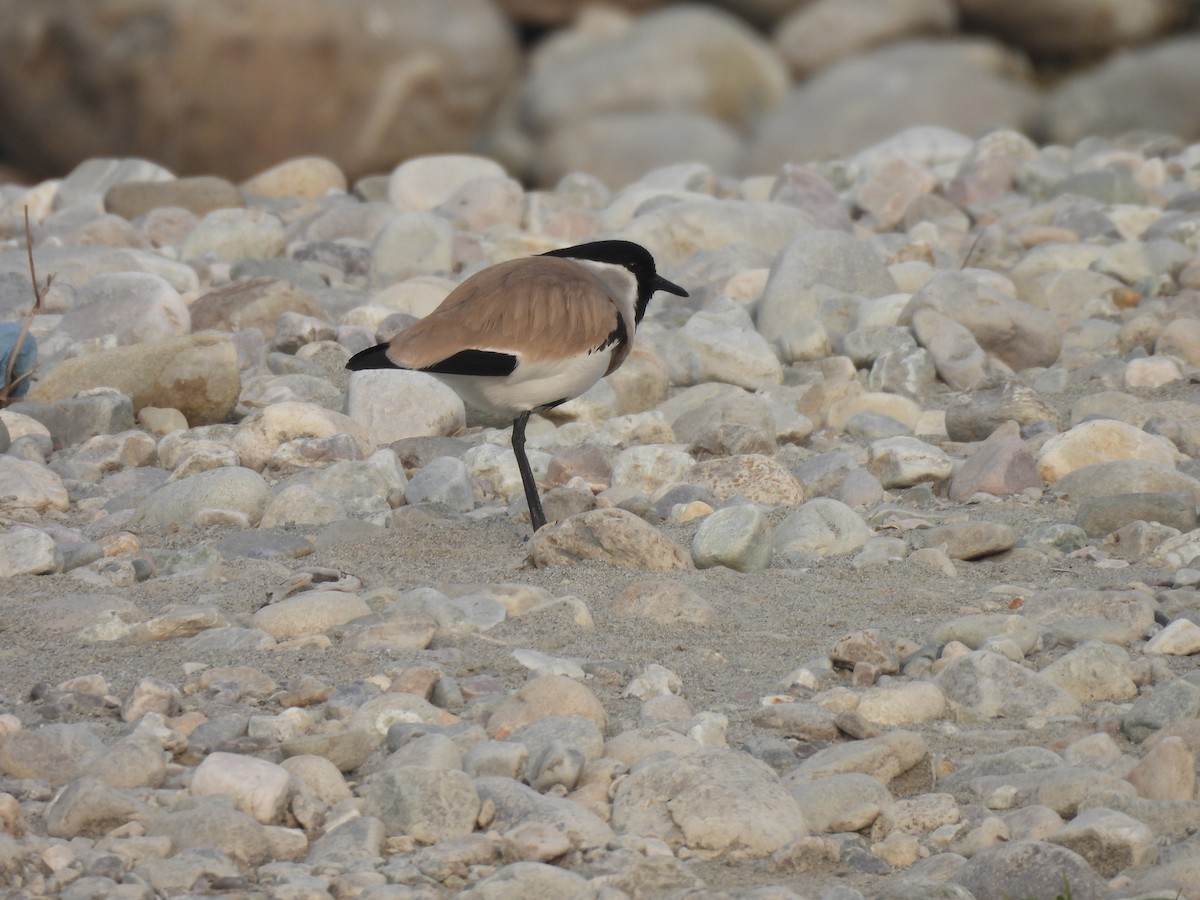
{"x":26,"y":485}
{"x":905,"y":461}
{"x":724,"y":347}
{"x":993,"y":686}
{"x":96,"y":176}
{"x":1093,"y":672}
{"x":199,"y":195}
{"x":1101,"y":441}
{"x":309,"y":177}
{"x":902,"y":704}
{"x":651,"y":469}
{"x":957,"y":357}
{"x":611,"y":535}
{"x":543,"y":697}
{"x":264,"y":544}
{"x":1018,"y":334}
{"x":232,"y":234}
{"x":135,"y":306}
{"x":1179,"y":638}
{"x":737,"y":537}
{"x":722,"y":799}
{"x":821,"y":527}
{"x":309,"y":613}
{"x":1101,"y":515}
{"x":425,"y":182}
{"x":1126,"y":476}
{"x":841,"y":803}
{"x":27,"y":551}
{"x":968,"y":540}
{"x":1152,"y":372}
{"x":445,"y":481}
{"x":261,"y":435}
{"x":180,"y":502}
{"x":196,"y":374}
{"x":1003,"y":465}
{"x":827,"y":258}
{"x":412,"y":243}
{"x":973,"y":630}
{"x":392,"y":406}
{"x":259,"y":788}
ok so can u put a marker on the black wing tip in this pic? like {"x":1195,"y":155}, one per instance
{"x":475,"y":362}
{"x":371,"y":358}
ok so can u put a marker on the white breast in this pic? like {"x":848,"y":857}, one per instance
{"x":532,"y":384}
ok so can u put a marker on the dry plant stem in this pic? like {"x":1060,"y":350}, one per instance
{"x":38,"y":291}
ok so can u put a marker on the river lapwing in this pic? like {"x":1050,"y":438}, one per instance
{"x":525,"y":335}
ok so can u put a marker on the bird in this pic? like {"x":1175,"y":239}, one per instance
{"x":525,"y":335}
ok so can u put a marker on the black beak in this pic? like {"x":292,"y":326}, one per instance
{"x":661,"y":284}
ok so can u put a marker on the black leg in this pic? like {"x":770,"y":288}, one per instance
{"x":536,"y":516}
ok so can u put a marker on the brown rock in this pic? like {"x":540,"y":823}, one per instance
{"x":1002,"y":465}
{"x":196,"y":374}
{"x":198,"y":195}
{"x":758,"y":478}
{"x":362,"y":82}
{"x":1166,"y":772}
{"x":252,"y":303}
{"x":608,"y":535}
{"x":541,"y":698}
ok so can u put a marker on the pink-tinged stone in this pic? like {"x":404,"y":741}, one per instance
{"x":1002,"y":465}
{"x":1166,"y":772}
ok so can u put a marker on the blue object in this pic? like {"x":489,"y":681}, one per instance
{"x":26,"y":356}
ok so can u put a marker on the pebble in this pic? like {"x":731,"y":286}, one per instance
{"x":1179,"y":638}
{"x":227,"y":235}
{"x":196,"y":374}
{"x":989,"y":686}
{"x":905,"y":461}
{"x":176,"y":503}
{"x":309,"y":613}
{"x":738,"y":537}
{"x":611,"y":535}
{"x":819,"y":528}
{"x":968,"y":540}
{"x":1101,"y":441}
{"x":196,"y":444}
{"x":259,"y":788}
{"x":712,"y":802}
{"x":392,"y":406}
{"x":27,"y":551}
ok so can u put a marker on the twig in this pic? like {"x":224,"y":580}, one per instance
{"x":6,"y":389}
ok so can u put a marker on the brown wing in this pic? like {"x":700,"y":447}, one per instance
{"x":538,"y":307}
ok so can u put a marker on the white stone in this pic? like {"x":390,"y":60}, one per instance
{"x":259,"y":788}
{"x":392,"y":405}
{"x":425,"y":182}
{"x":261,"y":435}
{"x":905,"y":461}
{"x":902,"y":704}
{"x":651,"y":469}
{"x":1098,"y":441}
{"x":27,"y":551}
{"x":1180,"y":638}
{"x":26,"y":485}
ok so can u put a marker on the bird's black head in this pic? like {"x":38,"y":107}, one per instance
{"x":634,"y":257}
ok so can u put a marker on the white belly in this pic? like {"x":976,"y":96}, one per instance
{"x":531,"y":385}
